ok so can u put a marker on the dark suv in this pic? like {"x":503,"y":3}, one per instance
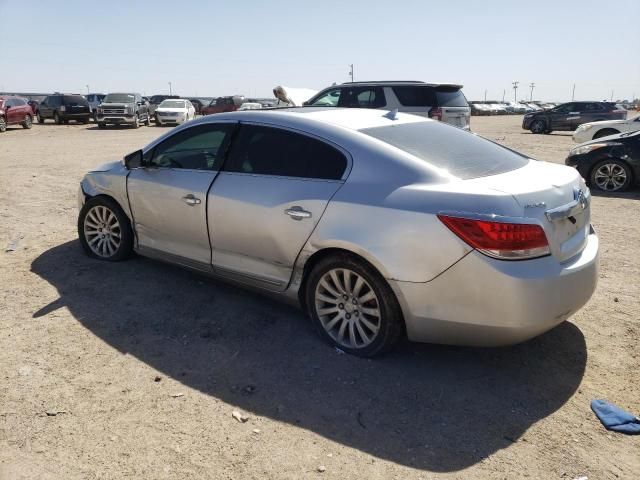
{"x":61,"y":108}
{"x":439,"y":101}
{"x":567,"y":116}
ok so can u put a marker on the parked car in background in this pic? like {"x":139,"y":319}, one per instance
{"x":479,"y":108}
{"x":610,"y":164}
{"x":250,"y":106}
{"x":440,"y":101}
{"x":64,"y":107}
{"x":34,"y":106}
{"x":14,"y":111}
{"x":224,"y":104}
{"x":94,"y":100}
{"x":312,"y":205}
{"x":174,"y":111}
{"x":567,"y":116}
{"x":123,"y":109}
{"x":156,"y":100}
{"x":497,"y":108}
{"x":197,"y":104}
{"x":590,"y":131}
{"x":517,"y":107}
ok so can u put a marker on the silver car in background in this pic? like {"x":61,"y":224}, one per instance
{"x":376,"y":223}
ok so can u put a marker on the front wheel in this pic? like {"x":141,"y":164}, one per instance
{"x":57,"y":119}
{"x":611,"y":176}
{"x":352,"y":306}
{"x":538,"y":126}
{"x":147,"y":122}
{"x":3,"y":125}
{"x":28,"y":122}
{"x":40,"y":119}
{"x":104,"y":230}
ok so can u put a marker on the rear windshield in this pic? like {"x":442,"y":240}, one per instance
{"x":427,"y":96}
{"x":75,"y":100}
{"x":462,"y":154}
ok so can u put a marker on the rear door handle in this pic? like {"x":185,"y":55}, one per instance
{"x":297,"y":213}
{"x":191,"y":199}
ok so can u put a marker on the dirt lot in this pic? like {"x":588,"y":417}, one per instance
{"x":133,"y":370}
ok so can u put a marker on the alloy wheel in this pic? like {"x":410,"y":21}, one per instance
{"x":348,"y":308}
{"x":3,"y":125}
{"x":610,"y":177}
{"x":27,"y":121}
{"x":102,"y":231}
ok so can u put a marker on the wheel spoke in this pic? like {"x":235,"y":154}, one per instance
{"x":332,"y":323}
{"x":358,"y":286}
{"x":329,"y":288}
{"x":336,"y":281}
{"x":373,"y":328}
{"x":346,"y":274}
{"x":370,"y":295}
{"x":374,"y":312}
{"x":343,"y":326}
{"x":352,"y":335}
{"x":363,"y":335}
{"x":326,"y":311}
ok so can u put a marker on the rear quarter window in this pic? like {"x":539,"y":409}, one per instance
{"x":462,"y":154}
{"x":415,"y":96}
{"x":450,"y":97}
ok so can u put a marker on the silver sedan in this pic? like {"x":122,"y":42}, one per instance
{"x":377,"y":224}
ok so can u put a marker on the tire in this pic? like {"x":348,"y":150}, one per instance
{"x":102,"y":125}
{"x":40,"y":119}
{"x":85,"y":121}
{"x":95,"y":116}
{"x":104,"y":230}
{"x":28,"y":122}
{"x":605,"y":132}
{"x":136,"y":121}
{"x":337,"y":310}
{"x":57,"y":119}
{"x":611,"y":175}
{"x":3,"y":125}
{"x":538,"y":126}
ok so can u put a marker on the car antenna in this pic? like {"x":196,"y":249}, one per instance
{"x":392,"y":115}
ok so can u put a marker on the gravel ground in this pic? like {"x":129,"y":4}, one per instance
{"x":133,"y":370}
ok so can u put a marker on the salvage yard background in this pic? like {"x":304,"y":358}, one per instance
{"x":133,"y":370}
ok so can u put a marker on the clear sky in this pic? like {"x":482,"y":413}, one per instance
{"x":211,"y":48}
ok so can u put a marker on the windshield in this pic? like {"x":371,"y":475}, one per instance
{"x":462,"y":154}
{"x":172,"y":104}
{"x":120,"y":98}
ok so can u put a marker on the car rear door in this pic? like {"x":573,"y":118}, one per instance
{"x":264,"y":205}
{"x":168,"y":195}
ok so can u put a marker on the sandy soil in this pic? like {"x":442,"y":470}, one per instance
{"x":133,"y":370}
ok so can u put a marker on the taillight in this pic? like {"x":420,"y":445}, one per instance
{"x":507,"y":241}
{"x":436,"y":114}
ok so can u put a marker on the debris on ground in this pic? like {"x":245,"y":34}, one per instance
{"x":322,"y":468}
{"x":176,"y":395}
{"x":53,"y":413}
{"x":239,"y":416}
{"x":13,"y":244}
{"x":157,"y":379}
{"x":339,"y":351}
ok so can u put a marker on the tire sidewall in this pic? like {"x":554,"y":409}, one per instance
{"x":3,"y":125}
{"x":28,"y":122}
{"x":391,"y":314}
{"x":538,"y":122}
{"x":627,"y":170}
{"x":126,"y":244}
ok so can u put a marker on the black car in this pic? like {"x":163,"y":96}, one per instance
{"x":62,"y":107}
{"x":567,"y":116}
{"x":610,"y":164}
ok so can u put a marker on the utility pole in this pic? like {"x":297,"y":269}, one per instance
{"x":515,"y":91}
{"x":612,"y":95}
{"x":170,"y":91}
{"x":531,"y":96}
{"x":485,"y":95}
{"x":573,"y":93}
{"x":351,"y":71}
{"x":87,"y":89}
{"x":504,"y":92}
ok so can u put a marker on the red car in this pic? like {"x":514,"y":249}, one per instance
{"x":223,"y":104}
{"x":13,"y":111}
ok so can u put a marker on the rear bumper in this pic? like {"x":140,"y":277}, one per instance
{"x":487,"y":302}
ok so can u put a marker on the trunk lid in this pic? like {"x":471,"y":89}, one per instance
{"x":552,"y":195}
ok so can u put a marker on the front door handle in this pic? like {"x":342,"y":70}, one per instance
{"x":297,"y":213}
{"x":191,"y":199}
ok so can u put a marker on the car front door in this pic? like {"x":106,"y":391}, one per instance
{"x":264,"y":205}
{"x":560,"y":117}
{"x":168,"y":195}
{"x":12,"y":112}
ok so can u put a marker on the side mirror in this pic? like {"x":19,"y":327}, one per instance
{"x":133,"y":160}
{"x":306,"y":104}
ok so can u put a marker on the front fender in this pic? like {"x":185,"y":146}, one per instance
{"x":109,"y":180}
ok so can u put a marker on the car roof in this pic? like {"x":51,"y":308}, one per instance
{"x":391,"y":83}
{"x":348,"y":118}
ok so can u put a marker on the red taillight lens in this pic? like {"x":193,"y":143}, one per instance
{"x":513,"y":241}
{"x":436,"y":114}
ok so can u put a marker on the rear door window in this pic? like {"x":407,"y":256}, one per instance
{"x":262,"y":150}
{"x":462,"y":154}
{"x":362,"y":97}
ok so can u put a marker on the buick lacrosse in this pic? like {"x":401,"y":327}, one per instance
{"x":377,"y":224}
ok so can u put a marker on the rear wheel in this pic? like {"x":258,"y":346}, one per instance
{"x":104,"y":230}
{"x":85,"y":120}
{"x":605,"y":132}
{"x":611,"y":176}
{"x":40,"y":119}
{"x":352,"y":306}
{"x":57,"y":119}
{"x":538,"y":126}
{"x":3,"y":125}
{"x":28,"y":122}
